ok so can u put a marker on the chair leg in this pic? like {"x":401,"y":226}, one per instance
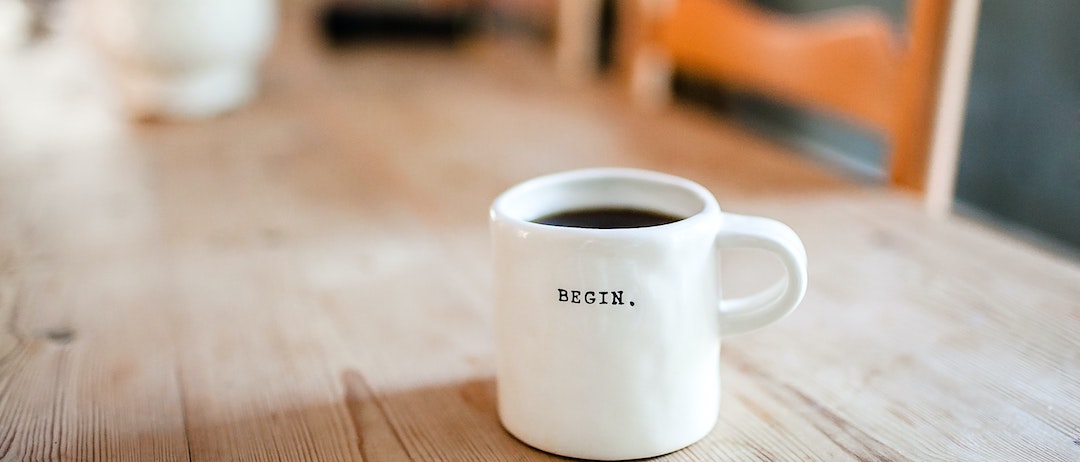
{"x":577,"y":36}
{"x":949,"y":122}
{"x":650,"y":79}
{"x":645,"y":70}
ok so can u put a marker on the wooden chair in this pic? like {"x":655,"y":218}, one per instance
{"x":850,"y":62}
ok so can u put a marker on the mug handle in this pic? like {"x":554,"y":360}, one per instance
{"x":772,"y":304}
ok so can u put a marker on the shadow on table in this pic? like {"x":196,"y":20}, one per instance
{"x":452,"y":421}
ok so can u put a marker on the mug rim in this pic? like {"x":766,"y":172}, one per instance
{"x":709,"y":208}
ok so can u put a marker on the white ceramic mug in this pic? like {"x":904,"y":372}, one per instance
{"x":183,"y":58}
{"x":609,"y":339}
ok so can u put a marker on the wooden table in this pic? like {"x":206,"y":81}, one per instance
{"x":308,"y":279}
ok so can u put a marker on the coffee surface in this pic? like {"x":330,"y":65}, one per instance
{"x":607,"y":218}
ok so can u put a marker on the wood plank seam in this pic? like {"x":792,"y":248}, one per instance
{"x":9,"y":305}
{"x":56,"y":429}
{"x":356,"y":389}
{"x":178,"y":376}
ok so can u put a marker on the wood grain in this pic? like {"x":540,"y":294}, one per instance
{"x":307,"y":278}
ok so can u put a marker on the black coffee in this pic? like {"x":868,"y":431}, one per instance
{"x":607,"y":218}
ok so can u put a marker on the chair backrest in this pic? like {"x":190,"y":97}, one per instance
{"x":852,"y":62}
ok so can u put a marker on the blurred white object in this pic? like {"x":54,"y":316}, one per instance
{"x":183,"y":58}
{"x":15,"y":20}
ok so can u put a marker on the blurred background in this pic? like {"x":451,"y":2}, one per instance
{"x":1018,"y":159}
{"x":237,"y":229}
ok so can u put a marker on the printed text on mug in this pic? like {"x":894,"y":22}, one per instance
{"x":589,"y":297}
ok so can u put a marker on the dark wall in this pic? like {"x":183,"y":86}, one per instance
{"x":1020,"y":157}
